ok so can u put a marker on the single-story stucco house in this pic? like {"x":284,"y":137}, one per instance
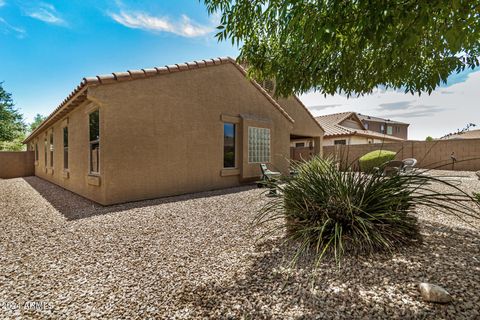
{"x":165,"y":131}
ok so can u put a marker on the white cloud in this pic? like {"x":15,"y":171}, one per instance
{"x":445,"y":110}
{"x":185,"y":27}
{"x":45,"y":12}
{"x":2,"y":3}
{"x":7,"y":28}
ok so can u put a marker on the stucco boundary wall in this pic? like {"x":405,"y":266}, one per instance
{"x":429,"y":154}
{"x":15,"y":164}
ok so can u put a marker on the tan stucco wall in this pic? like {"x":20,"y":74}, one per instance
{"x":164,"y":135}
{"x":353,"y":140}
{"x":305,"y":124}
{"x":77,"y":179}
{"x":16,"y":164}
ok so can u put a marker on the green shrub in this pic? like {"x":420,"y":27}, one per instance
{"x":333,"y":212}
{"x":476,"y":196}
{"x":375,"y":159}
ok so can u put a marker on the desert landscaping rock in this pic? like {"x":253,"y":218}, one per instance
{"x":433,"y":293}
{"x":199,"y":256}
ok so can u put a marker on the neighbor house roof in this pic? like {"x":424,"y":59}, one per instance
{"x":377,"y":119}
{"x":472,"y":134}
{"x":79,"y":94}
{"x":331,"y":124}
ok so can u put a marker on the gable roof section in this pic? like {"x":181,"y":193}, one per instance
{"x":377,"y":119}
{"x":331,"y":124}
{"x":79,"y":94}
{"x":471,"y":134}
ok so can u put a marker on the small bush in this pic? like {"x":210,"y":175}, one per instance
{"x":375,"y":159}
{"x":333,"y":212}
{"x":476,"y":196}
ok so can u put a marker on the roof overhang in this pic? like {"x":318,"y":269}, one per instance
{"x":77,"y":97}
{"x":79,"y":94}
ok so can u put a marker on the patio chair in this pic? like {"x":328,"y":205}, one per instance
{"x":269,"y":178}
{"x":409,"y":164}
{"x":392,"y":168}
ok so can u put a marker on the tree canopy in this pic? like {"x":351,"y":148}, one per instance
{"x":352,"y":46}
{"x":37,"y":120}
{"x":12,"y":128}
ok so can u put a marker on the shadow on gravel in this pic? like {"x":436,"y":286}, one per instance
{"x":380,"y":287}
{"x":74,"y":207}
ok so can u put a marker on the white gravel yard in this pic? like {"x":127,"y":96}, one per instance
{"x":197,"y":256}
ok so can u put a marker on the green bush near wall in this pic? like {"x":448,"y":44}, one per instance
{"x":375,"y":159}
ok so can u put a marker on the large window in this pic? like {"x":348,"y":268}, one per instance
{"x":65,"y":148}
{"x":258,"y":145}
{"x":51,"y":149}
{"x":229,"y":145}
{"x":94,"y":126}
{"x":389,"y":130}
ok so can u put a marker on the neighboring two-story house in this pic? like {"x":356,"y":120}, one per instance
{"x":386,"y":126}
{"x":349,"y":128}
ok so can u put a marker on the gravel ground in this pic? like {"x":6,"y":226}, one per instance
{"x":195,"y":256}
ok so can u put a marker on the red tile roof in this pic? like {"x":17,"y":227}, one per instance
{"x":79,"y":94}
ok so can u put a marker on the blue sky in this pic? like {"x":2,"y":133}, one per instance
{"x":47,"y":47}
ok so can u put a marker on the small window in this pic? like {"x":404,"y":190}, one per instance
{"x":94,"y":131}
{"x":389,"y":130}
{"x":340,"y":142}
{"x":229,"y":145}
{"x":36,"y":150}
{"x":45,"y":147}
{"x":299,"y":144}
{"x":366,"y":125}
{"x":51,"y":149}
{"x":65,"y":148}
{"x":258,"y":145}
{"x":397,"y":129}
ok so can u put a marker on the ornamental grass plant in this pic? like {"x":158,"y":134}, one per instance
{"x":329,"y":212}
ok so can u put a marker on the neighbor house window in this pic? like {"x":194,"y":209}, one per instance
{"x":389,"y":130}
{"x":343,"y":141}
{"x":382,"y":128}
{"x":299,"y":144}
{"x":94,"y":126}
{"x":229,"y":145}
{"x":397,"y":129}
{"x":366,"y":125}
{"x":51,"y":149}
{"x":258,"y":145}
{"x":65,"y":148}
